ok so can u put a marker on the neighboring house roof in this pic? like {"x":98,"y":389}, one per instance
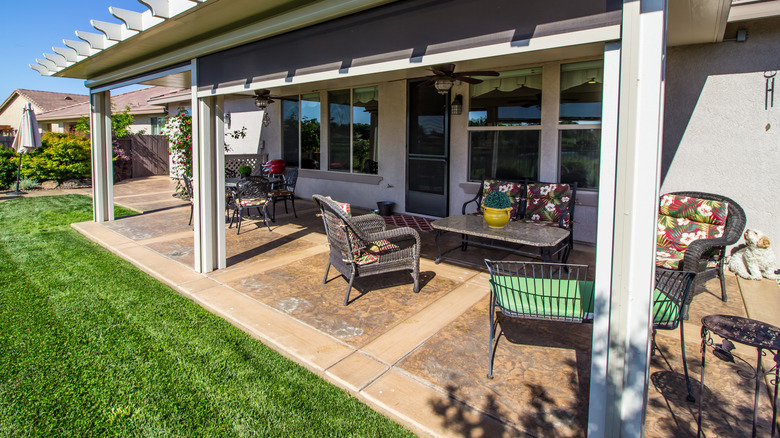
{"x":137,"y":100}
{"x":44,"y":101}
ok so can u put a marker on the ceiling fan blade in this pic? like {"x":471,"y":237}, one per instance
{"x":468,"y":80}
{"x":430,"y":81}
{"x":477,"y":73}
{"x":443,"y":69}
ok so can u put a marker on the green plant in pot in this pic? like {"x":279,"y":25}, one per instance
{"x":497,"y":208}
{"x":244,"y":171}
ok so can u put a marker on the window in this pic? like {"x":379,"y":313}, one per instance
{"x":505,"y":117}
{"x":301,"y":131}
{"x":579,"y":122}
{"x":353,"y":121}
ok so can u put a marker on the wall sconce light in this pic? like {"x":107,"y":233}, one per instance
{"x":456,"y":108}
{"x":227,"y":120}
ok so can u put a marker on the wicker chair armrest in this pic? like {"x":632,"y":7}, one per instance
{"x":369,"y":223}
{"x":695,"y":251}
{"x":475,"y":200}
{"x":396,"y":234}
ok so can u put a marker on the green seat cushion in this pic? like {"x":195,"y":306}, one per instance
{"x":544,"y":298}
{"x":665,"y":311}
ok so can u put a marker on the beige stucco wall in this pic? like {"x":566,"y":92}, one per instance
{"x":718,"y":135}
{"x":12,"y":115}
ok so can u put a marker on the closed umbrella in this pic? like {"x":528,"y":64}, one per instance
{"x":27,"y":139}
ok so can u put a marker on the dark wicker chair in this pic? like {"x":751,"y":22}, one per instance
{"x":361,"y":246}
{"x":191,"y":195}
{"x":671,"y":292}
{"x":249,"y":194}
{"x":706,"y":257}
{"x":285,"y":191}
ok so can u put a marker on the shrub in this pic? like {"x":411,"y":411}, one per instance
{"x":497,"y":199}
{"x":61,"y":157}
{"x":9,"y":162}
{"x":244,"y":170}
{"x":27,"y":184}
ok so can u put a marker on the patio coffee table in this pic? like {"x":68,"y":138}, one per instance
{"x":547,"y":239}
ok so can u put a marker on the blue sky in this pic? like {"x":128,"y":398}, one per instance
{"x":32,"y":28}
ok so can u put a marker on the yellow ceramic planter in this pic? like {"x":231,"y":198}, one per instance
{"x":496,"y":217}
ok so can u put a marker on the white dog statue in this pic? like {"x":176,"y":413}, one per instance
{"x":755,"y":260}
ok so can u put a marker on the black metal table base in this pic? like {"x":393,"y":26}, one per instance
{"x":764,"y":337}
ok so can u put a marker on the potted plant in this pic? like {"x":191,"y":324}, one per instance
{"x":497,"y":207}
{"x":244,"y":171}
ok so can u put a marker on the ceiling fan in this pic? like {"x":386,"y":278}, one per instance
{"x":263,"y":98}
{"x":444,"y":76}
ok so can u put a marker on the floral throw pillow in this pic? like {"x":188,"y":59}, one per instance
{"x":512,"y":189}
{"x":682,"y":220}
{"x":548,"y":202}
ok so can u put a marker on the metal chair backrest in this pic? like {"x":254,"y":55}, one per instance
{"x":291,"y":179}
{"x":669,"y":296}
{"x":537,"y":290}
{"x":251,"y":189}
{"x":188,"y":186}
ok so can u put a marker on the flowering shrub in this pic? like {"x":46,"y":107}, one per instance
{"x":178,"y":129}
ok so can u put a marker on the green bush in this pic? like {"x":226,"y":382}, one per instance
{"x":61,"y":157}
{"x":9,"y":162}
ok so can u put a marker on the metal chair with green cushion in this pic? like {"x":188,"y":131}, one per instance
{"x":671,"y":292}
{"x":537,"y":290}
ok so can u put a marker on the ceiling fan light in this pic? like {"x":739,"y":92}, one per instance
{"x":443,"y":85}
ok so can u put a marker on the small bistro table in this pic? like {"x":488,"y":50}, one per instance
{"x":749,"y":332}
{"x":547,"y":239}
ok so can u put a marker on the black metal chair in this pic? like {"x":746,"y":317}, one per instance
{"x":190,"y":194}
{"x":285,"y":191}
{"x":537,"y":290}
{"x":669,"y":297}
{"x":249,"y":194}
{"x":362,"y":246}
{"x":551,"y":204}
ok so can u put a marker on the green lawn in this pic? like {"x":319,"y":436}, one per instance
{"x":91,"y":346}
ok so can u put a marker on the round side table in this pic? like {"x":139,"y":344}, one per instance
{"x":764,"y":337}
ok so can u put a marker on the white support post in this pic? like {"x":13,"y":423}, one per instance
{"x":102,"y":165}
{"x":604,"y":231}
{"x":209,"y":182}
{"x":643,"y":45}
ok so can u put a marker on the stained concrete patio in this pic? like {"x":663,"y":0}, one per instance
{"x":421,"y":359}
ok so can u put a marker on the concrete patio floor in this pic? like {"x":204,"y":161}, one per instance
{"x":421,"y":359}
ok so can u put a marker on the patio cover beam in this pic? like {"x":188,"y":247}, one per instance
{"x":102,"y":167}
{"x":621,"y":411}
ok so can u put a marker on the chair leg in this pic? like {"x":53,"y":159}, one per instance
{"x":349,"y":288}
{"x":240,"y":215}
{"x":292,"y":201}
{"x":192,"y":210}
{"x":325,"y":278}
{"x":722,"y":276}
{"x":491,"y":343}
{"x":265,"y":216}
{"x":285,"y":206}
{"x":690,"y":397}
{"x":416,"y":278}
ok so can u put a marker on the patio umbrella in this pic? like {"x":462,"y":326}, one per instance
{"x":27,"y":138}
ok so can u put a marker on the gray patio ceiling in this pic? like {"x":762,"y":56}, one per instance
{"x":173,"y":32}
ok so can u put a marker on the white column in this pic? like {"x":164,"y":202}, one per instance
{"x":208,"y":171}
{"x":643,"y":45}
{"x":102,"y":165}
{"x":604,"y":234}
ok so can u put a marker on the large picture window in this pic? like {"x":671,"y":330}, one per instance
{"x":579,"y":120}
{"x":301,"y":131}
{"x":353,"y":121}
{"x":505,"y":116}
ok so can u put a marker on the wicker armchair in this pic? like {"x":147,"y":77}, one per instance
{"x":704,"y":256}
{"x":361,"y":246}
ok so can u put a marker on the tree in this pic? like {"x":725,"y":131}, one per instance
{"x":120,"y":123}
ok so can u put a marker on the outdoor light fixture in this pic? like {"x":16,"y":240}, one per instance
{"x":456,"y":108}
{"x":443,"y":85}
{"x":262,"y":102}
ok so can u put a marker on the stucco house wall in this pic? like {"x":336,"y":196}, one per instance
{"x":721,"y":133}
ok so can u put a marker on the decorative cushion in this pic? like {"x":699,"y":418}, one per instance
{"x":668,"y":258}
{"x":682,"y":220}
{"x":382,"y":246}
{"x":512,"y":189}
{"x":548,"y":202}
{"x":252,"y":202}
